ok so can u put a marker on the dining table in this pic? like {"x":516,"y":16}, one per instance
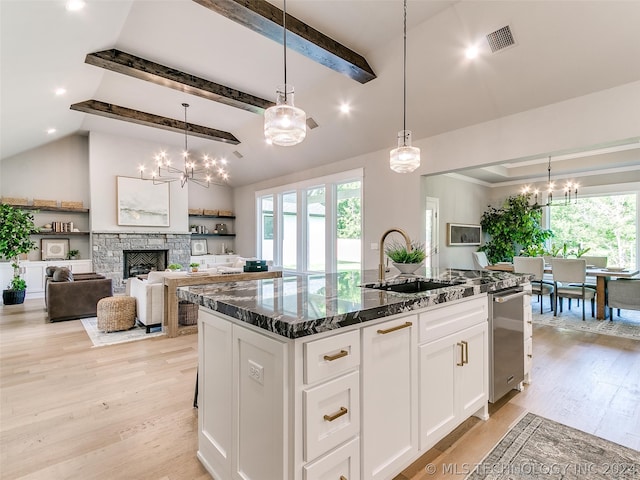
{"x":602,"y":275}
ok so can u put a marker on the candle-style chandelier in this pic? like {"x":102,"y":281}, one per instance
{"x":205,"y":172}
{"x":570,"y":191}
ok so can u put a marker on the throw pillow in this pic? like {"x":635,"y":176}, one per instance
{"x":62,"y":274}
{"x":50,"y":270}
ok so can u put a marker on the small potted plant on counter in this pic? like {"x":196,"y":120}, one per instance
{"x":194,"y":266}
{"x":407,"y":261}
{"x":73,"y":255}
{"x":174,"y":267}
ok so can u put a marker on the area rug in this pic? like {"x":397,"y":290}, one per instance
{"x":101,"y":339}
{"x":627,"y":325}
{"x":539,"y":448}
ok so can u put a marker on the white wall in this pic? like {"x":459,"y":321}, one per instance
{"x":394,"y":200}
{"x":56,"y":171}
{"x":460,"y":202}
{"x":111,"y":156}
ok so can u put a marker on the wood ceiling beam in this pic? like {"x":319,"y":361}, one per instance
{"x":266,"y":19}
{"x":109,"y":110}
{"x":127,"y":64}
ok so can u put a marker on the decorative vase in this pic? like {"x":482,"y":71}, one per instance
{"x":13,"y":297}
{"x":407,"y":268}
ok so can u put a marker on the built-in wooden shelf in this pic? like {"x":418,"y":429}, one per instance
{"x":212,"y":216}
{"x":213,"y":234}
{"x":61,"y":234}
{"x":53,"y":209}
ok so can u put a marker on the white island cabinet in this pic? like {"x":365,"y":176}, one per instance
{"x":358,"y":402}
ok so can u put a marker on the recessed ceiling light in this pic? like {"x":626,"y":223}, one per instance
{"x":51,"y":130}
{"x":75,"y":5}
{"x":471,"y":52}
{"x":61,"y":91}
{"x":345,"y":108}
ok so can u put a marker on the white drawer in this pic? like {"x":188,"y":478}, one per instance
{"x":331,"y":356}
{"x":332,"y":414}
{"x":344,"y":462}
{"x":440,"y":322}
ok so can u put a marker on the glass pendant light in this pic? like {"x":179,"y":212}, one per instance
{"x":404,"y":158}
{"x":284,"y":123}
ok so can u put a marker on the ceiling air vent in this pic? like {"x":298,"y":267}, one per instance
{"x":237,"y":154}
{"x":311,"y":123}
{"x":500,"y":39}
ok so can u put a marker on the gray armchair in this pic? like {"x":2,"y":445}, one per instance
{"x":623,"y":294}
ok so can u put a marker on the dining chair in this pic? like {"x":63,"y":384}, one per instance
{"x":624,"y":293}
{"x":535,"y":266}
{"x":480,"y":260}
{"x":569,"y":277}
{"x":598,"y":262}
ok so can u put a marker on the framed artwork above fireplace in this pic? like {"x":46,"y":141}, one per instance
{"x":142,"y":203}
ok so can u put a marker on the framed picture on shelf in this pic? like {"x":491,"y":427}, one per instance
{"x":463,"y":234}
{"x":54,"y":248}
{"x":142,"y":203}
{"x":199,"y":247}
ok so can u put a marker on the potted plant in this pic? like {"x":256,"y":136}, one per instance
{"x":174,"y":267}
{"x":194,"y":266}
{"x":405,"y":260}
{"x":514,"y":225}
{"x":16,"y":227}
{"x":73,"y":254}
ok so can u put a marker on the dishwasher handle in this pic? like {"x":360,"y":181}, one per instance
{"x":508,"y":298}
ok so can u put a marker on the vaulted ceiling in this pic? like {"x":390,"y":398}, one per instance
{"x":563,"y":50}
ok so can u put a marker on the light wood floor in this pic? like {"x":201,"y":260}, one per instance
{"x":69,"y":411}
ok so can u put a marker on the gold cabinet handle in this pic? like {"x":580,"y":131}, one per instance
{"x":466,"y":352}
{"x":530,"y":356}
{"x":393,"y":329}
{"x":461,"y":363}
{"x":331,"y":358}
{"x":338,"y":414}
{"x":342,"y":477}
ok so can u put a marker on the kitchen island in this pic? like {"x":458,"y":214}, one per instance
{"x":313,"y":376}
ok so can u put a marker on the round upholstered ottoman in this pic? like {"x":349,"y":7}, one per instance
{"x":116,"y":313}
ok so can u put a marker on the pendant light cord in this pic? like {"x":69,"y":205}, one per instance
{"x":284,"y":43}
{"x":404,"y":86}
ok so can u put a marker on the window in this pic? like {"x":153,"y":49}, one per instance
{"x":604,"y":224}
{"x":266,"y":227}
{"x":313,"y":226}
{"x":349,"y":226}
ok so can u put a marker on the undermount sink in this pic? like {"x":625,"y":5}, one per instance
{"x":413,"y":287}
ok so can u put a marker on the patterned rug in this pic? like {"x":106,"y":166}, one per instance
{"x":626,"y":325}
{"x":538,"y":448}
{"x":101,"y":339}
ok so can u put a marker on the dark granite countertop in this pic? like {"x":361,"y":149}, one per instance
{"x":298,"y":305}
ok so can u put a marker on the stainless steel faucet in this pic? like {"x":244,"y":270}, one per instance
{"x":381,"y":268}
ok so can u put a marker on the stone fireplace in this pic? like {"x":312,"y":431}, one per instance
{"x":109,"y":253}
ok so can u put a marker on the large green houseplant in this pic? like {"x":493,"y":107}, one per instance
{"x":516,"y":224}
{"x":16,"y":227}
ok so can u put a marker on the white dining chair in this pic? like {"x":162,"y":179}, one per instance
{"x":480,"y":261}
{"x":623,"y":294}
{"x":569,"y":277}
{"x":535,"y":266}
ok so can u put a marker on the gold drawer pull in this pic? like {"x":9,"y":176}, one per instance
{"x":393,"y":329}
{"x":342,"y":477}
{"x":461,"y":345}
{"x":466,"y":351}
{"x":331,"y":358}
{"x":331,"y":418}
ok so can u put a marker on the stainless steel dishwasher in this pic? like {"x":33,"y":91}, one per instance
{"x":506,"y":340}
